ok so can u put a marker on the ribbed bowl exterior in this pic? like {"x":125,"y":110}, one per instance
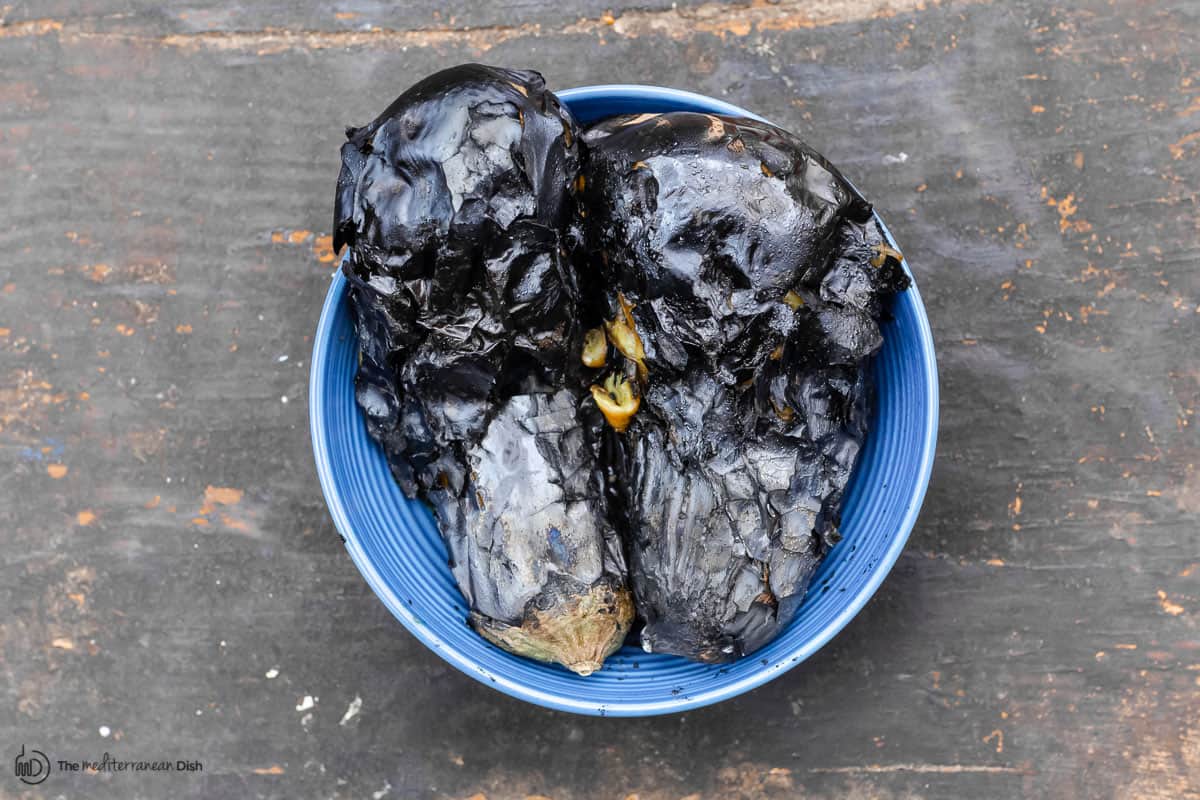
{"x":396,"y":545}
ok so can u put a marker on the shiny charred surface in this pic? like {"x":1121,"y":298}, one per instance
{"x":744,"y":260}
{"x":458,"y":208}
{"x":452,"y":202}
{"x":541,"y":570}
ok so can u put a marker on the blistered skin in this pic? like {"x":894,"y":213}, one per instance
{"x":526,"y":542}
{"x":454,"y":202}
{"x":746,"y":258}
{"x":457,"y":205}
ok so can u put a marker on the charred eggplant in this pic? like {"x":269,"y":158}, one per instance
{"x":626,"y":366}
{"x":457,"y":204}
{"x":747,"y":278}
{"x":542,"y":571}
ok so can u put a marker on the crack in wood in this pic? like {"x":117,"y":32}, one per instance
{"x":715,"y":19}
{"x":923,"y":769}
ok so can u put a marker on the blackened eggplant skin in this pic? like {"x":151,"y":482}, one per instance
{"x":746,"y":258}
{"x":542,"y":571}
{"x":454,"y":202}
{"x":457,"y":204}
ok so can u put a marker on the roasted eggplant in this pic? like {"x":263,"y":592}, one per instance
{"x":746,"y":278}
{"x":542,"y":571}
{"x":624,"y":366}
{"x":458,"y":206}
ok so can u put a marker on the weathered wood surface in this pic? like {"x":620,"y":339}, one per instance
{"x":167,"y":185}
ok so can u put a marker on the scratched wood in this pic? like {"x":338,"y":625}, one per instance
{"x":170,"y":573}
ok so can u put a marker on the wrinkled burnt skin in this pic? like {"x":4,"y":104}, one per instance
{"x":748,"y":263}
{"x":528,"y":520}
{"x":457,"y":204}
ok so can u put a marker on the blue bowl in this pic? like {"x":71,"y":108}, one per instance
{"x":396,"y":545}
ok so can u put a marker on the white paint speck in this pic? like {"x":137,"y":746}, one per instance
{"x":283,"y":399}
{"x":382,"y":793}
{"x":899,"y":158}
{"x":105,"y":731}
{"x":199,"y":712}
{"x":306,"y":703}
{"x":222,"y":643}
{"x":260,"y":318}
{"x":133,"y":381}
{"x":352,"y":710}
{"x":272,"y":674}
{"x":282,"y":359}
{"x":307,"y":718}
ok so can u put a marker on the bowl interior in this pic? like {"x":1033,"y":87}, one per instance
{"x":396,"y":545}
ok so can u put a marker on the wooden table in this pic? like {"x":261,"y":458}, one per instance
{"x":172,"y":586}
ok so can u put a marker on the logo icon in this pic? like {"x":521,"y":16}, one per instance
{"x":32,"y":769}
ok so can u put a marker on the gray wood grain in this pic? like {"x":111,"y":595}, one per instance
{"x":218,"y":16}
{"x":168,"y":174}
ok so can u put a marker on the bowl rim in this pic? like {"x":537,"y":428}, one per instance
{"x":318,"y":368}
